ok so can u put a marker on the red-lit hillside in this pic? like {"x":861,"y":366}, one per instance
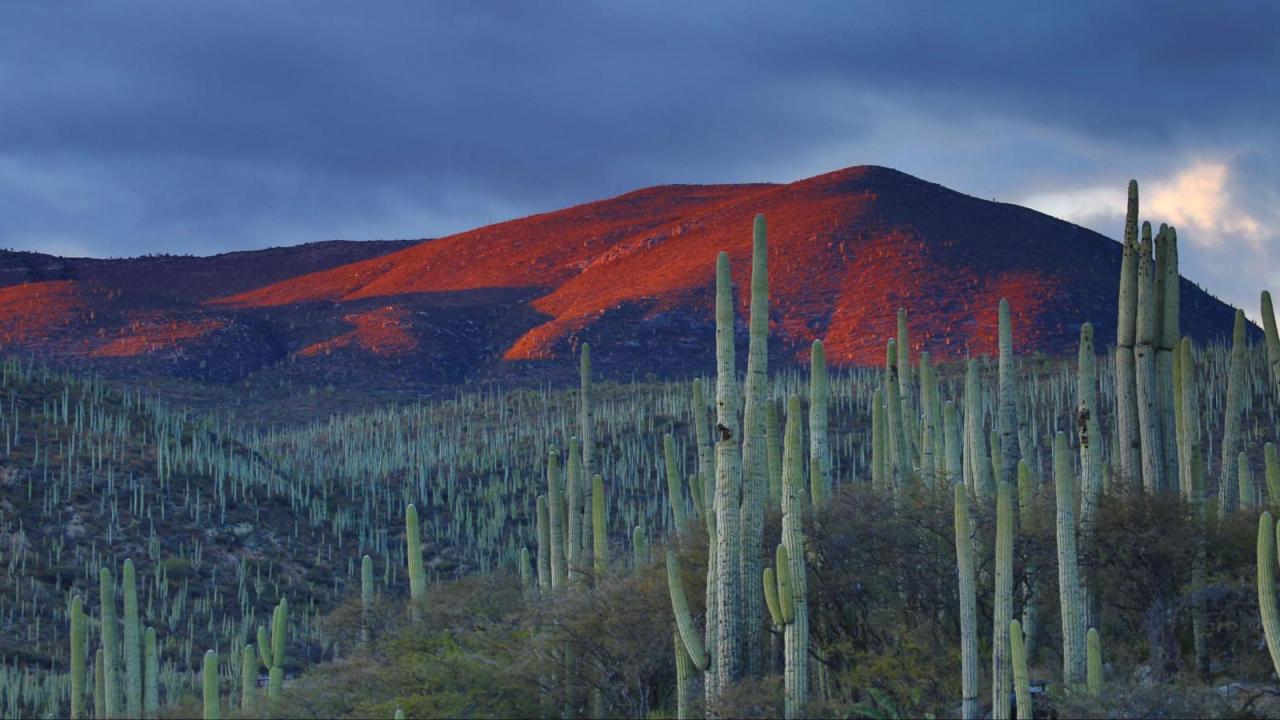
{"x":632,"y":274}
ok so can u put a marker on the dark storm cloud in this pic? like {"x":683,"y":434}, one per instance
{"x":182,"y":127}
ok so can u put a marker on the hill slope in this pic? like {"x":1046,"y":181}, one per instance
{"x":631,"y":274}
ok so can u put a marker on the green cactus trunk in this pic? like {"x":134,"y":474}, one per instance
{"x":819,"y":449}
{"x":99,"y":685}
{"x":78,"y":648}
{"x":928,"y":421}
{"x":1129,"y":446}
{"x":675,"y":493}
{"x":773,"y":439}
{"x":1021,"y":678}
{"x":1272,"y":473}
{"x":249,"y":681}
{"x":954,"y":464}
{"x":366,"y":594}
{"x":968,"y":603}
{"x":413,"y":553}
{"x":556,"y":509}
{"x":110,"y":645}
{"x":544,"y":544}
{"x":755,"y":459}
{"x":684,"y":679}
{"x":794,"y":605}
{"x":728,"y":475}
{"x":151,"y":680}
{"x":1144,"y":358}
{"x":977,"y":455}
{"x":599,"y":529}
{"x":212,"y":706}
{"x":1090,"y":436}
{"x":1071,"y":594}
{"x":1168,"y":338}
{"x":1007,"y":417}
{"x":1227,"y":487}
{"x":1266,"y":559}
{"x":1248,"y":496}
{"x":586,"y":431}
{"x":1094,"y":650}
{"x":879,"y":453}
{"x":132,"y":642}
{"x":901,"y":452}
{"x":903,"y":355}
{"x":573,"y":521}
{"x":1272,"y":339}
{"x":1002,"y":610}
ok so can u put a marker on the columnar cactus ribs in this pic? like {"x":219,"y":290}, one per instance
{"x":78,"y":648}
{"x":1266,"y":558}
{"x":1130,"y":446}
{"x":1001,"y":669}
{"x":413,"y":551}
{"x":968,"y":601}
{"x":1072,"y":597}
{"x":728,"y":492}
{"x":755,"y":464}
{"x":794,"y":604}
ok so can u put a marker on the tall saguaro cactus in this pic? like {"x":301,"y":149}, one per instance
{"x":1071,"y":595}
{"x":819,"y":448}
{"x":1267,"y":586}
{"x":901,"y":452}
{"x":1090,"y":456}
{"x":1150,"y":420}
{"x":728,"y":492}
{"x":796,"y":630}
{"x":413,"y":553}
{"x":1130,"y":444}
{"x":78,"y":648}
{"x":1272,"y":337}
{"x":212,"y":705}
{"x":586,"y":431}
{"x":1168,"y":338}
{"x":1001,"y":669}
{"x":556,"y":511}
{"x":1227,"y":496}
{"x":755,"y":461}
{"x":132,"y":642}
{"x":968,"y":602}
{"x":110,"y":644}
{"x":1007,"y":416}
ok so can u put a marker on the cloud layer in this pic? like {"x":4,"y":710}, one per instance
{"x":166,"y":127}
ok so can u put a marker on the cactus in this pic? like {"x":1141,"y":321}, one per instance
{"x":1267,"y":587}
{"x":977,"y":456}
{"x":1149,"y":416}
{"x":599,"y":528}
{"x":573,"y":521}
{"x":773,"y":441}
{"x":684,"y":621}
{"x":1021,"y":678}
{"x":899,"y":449}
{"x":728,"y":474}
{"x":928,"y":421}
{"x":110,"y":644}
{"x":639,"y":546}
{"x":968,"y":603}
{"x":99,"y":685}
{"x":271,"y":648}
{"x":879,"y":453}
{"x":1007,"y":417}
{"x":366,"y":592}
{"x":951,"y":444}
{"x":793,"y":600}
{"x":544,"y":545}
{"x":78,"y":648}
{"x":1272,"y":339}
{"x":819,"y":451}
{"x":399,"y":714}
{"x":1248,"y":498}
{"x":1030,"y":611}
{"x":1072,"y":600}
{"x":675,"y":495}
{"x":556,"y":512}
{"x":413,"y":553}
{"x":1272,"y":473}
{"x":132,"y":642}
{"x":212,"y":707}
{"x":755,"y":462}
{"x":1001,"y":672}
{"x":1094,"y":650}
{"x":586,"y":431}
{"x":1227,"y":496}
{"x":1168,"y":338}
{"x":1090,"y":458}
{"x":684,"y":678}
{"x":249,"y":681}
{"x":706,"y":456}
{"x":903,"y":356}
{"x":1129,"y":447}
{"x":151,"y":676}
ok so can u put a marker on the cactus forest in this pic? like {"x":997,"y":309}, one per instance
{"x":1011,"y":536}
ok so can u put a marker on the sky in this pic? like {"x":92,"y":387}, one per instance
{"x":148,"y":126}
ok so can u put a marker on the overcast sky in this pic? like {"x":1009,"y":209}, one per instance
{"x":140,"y":127}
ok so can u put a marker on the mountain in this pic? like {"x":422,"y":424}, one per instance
{"x":633,"y":275}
